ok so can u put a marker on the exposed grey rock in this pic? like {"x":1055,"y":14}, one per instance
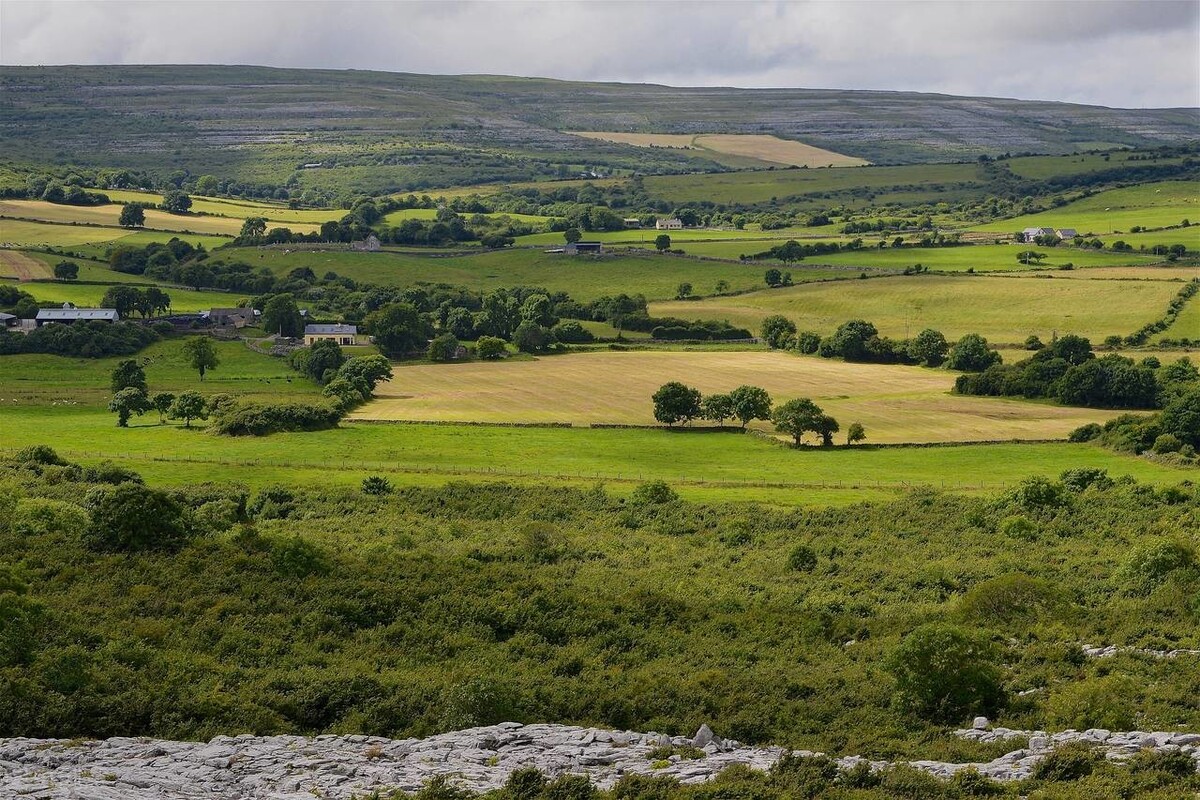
{"x":980,"y":723}
{"x":340,"y":767}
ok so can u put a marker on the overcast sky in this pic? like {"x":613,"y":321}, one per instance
{"x":1129,"y":54}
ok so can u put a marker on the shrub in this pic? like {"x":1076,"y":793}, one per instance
{"x":490,"y":348}
{"x":1085,"y":433}
{"x":525,"y":783}
{"x":1082,"y":478}
{"x":443,"y":348}
{"x":571,"y":332}
{"x":802,"y":777}
{"x":298,"y":558}
{"x":132,"y":517}
{"x":1167,"y":443}
{"x":1175,"y":763}
{"x":808,"y":342}
{"x":1037,"y":493}
{"x":1008,"y":599}
{"x":40,"y":454}
{"x":1151,"y":563}
{"x":376,"y":485}
{"x":1097,"y":703}
{"x":1067,"y":763}
{"x":653,"y":493}
{"x":35,"y":516}
{"x":802,"y":559}
{"x":260,"y":419}
{"x":943,"y":673}
{"x":273,"y":502}
{"x":970,"y":782}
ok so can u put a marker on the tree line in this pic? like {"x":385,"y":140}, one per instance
{"x":677,"y":403}
{"x":859,"y":340}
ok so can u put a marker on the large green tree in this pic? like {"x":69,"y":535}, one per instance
{"x":798,"y":417}
{"x":201,"y":354}
{"x":944,"y":673}
{"x":133,"y":517}
{"x":188,"y":406}
{"x":779,"y":332}
{"x":133,"y":215}
{"x":128,"y":402}
{"x":128,"y":374}
{"x":675,"y":402}
{"x":176,"y":202}
{"x":282,"y":316}
{"x":399,"y":330}
{"x":750,"y":403}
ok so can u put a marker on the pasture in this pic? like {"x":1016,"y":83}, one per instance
{"x":751,"y":236}
{"x":980,"y":258}
{"x":40,"y":266}
{"x":761,"y":148}
{"x":583,"y":277}
{"x":707,"y":466}
{"x":90,"y":294}
{"x":1004,"y":309}
{"x":92,"y":240}
{"x":1187,"y":324}
{"x":896,"y":404}
{"x":235,"y":207}
{"x":1150,"y":205}
{"x":109,"y":215}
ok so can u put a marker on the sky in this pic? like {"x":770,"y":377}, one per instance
{"x":1141,"y":54}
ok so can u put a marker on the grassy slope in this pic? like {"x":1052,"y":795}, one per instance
{"x":981,"y":258}
{"x":24,"y":233}
{"x":90,"y":294}
{"x":1151,"y":205}
{"x":583,"y":277}
{"x":1003,"y":309}
{"x":895,"y":403}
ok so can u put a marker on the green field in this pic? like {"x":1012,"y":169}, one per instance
{"x":980,"y":257}
{"x":1150,"y":205}
{"x":90,"y":294}
{"x":645,"y":236}
{"x":755,"y":469}
{"x":238,"y":208}
{"x":1003,"y":309}
{"x":583,"y":277}
{"x":109,"y":215}
{"x":1039,"y":167}
{"x":23,"y":233}
{"x":764,"y":185}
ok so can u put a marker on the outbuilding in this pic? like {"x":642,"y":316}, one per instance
{"x":575,"y":248}
{"x":67,"y":314}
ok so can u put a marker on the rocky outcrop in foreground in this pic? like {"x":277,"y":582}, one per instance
{"x":294,"y":767}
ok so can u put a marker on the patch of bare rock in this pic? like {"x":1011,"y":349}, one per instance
{"x":341,"y":767}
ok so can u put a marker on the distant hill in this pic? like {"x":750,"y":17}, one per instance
{"x":262,"y":124}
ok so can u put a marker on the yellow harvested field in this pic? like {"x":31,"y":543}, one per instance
{"x":110,"y":215}
{"x":896,"y":404}
{"x":1146,"y":273}
{"x":681,"y":140}
{"x":763,"y":147}
{"x":1005,"y":310}
{"x":22,"y":267}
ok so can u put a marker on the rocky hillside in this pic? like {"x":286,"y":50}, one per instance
{"x":159,"y":116}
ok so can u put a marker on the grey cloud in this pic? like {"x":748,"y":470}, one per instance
{"x":1108,"y":53}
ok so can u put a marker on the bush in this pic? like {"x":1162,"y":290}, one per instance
{"x":571,"y":332}
{"x":1096,"y":703}
{"x":943,"y":673}
{"x":1151,"y":563}
{"x":443,"y":348}
{"x":298,"y":558}
{"x":490,"y":348}
{"x":1009,"y":599}
{"x":653,"y":493}
{"x":1167,"y":443}
{"x":1085,"y":433}
{"x":131,"y":517}
{"x":802,"y":559}
{"x":40,"y":454}
{"x":1067,"y":763}
{"x":244,"y":418}
{"x":376,"y":485}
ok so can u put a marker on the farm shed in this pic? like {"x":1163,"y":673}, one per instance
{"x":237,"y":317}
{"x":66,"y":316}
{"x":575,"y":248}
{"x":342,"y":334}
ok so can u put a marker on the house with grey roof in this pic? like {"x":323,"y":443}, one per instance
{"x":1067,"y":233}
{"x":342,"y":334}
{"x":67,"y":314}
{"x":1032,"y":233}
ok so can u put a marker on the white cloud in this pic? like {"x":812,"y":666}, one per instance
{"x":1135,"y":54}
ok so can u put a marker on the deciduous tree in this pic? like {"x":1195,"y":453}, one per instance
{"x":675,"y":402}
{"x":201,"y":354}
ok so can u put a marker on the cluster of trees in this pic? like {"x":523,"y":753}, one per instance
{"x":1173,"y":432}
{"x":348,"y":382}
{"x":127,"y":299}
{"x":80,"y":339}
{"x":131,"y":394}
{"x":1067,"y":370}
{"x":678,"y":403}
{"x":859,"y":340}
{"x":250,"y":418}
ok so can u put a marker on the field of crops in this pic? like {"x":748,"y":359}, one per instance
{"x":896,"y":404}
{"x":1003,"y":309}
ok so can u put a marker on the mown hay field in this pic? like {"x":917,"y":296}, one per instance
{"x":21,"y":266}
{"x":109,"y":215}
{"x":896,"y":404}
{"x":228,"y":207}
{"x":1005,"y":309}
{"x":708,"y":466}
{"x":761,"y":147}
